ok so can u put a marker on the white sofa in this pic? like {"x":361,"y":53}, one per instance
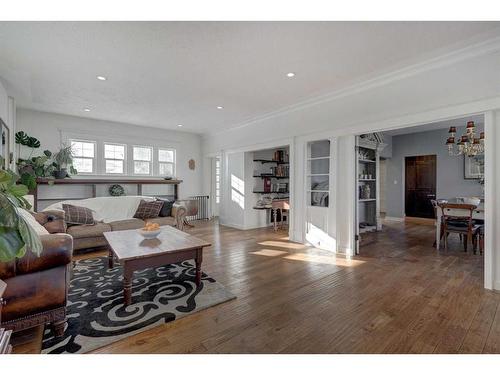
{"x":111,"y":214}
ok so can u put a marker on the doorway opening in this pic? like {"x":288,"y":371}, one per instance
{"x":406,"y":181}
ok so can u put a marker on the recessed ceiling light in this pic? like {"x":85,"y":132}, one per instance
{"x":290,"y":75}
{"x":219,"y":107}
{"x":101,"y":78}
{"x":86,"y":109}
{"x":180,"y":125}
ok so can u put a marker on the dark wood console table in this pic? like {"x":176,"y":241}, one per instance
{"x":93,"y":182}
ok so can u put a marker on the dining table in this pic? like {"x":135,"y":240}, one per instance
{"x":477,"y":214}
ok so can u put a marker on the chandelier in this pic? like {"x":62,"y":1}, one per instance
{"x":468,"y":144}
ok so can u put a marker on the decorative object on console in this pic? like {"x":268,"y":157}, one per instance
{"x":63,"y":159}
{"x":116,"y":190}
{"x":78,"y":215}
{"x":267,"y":185}
{"x":191,"y":164}
{"x":468,"y":144}
{"x":148,"y":210}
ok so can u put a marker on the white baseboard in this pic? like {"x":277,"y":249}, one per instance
{"x":393,"y":218}
{"x":233,"y":225}
{"x":496,"y":285}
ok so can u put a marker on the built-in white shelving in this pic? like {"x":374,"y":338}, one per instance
{"x":318,"y":173}
{"x":367,"y":172}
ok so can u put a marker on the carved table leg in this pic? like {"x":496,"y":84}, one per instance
{"x":198,"y":260}
{"x":187,"y":224}
{"x":110,"y":259}
{"x":127,"y":284}
{"x":58,"y":328}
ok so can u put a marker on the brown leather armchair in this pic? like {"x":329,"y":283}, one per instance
{"x":37,"y":287}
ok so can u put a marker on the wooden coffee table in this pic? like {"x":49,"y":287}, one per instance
{"x":134,"y":252}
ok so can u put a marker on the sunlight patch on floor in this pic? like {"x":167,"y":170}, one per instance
{"x":269,"y":252}
{"x":324,"y":259}
{"x":286,"y":245}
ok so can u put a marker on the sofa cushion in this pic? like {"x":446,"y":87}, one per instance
{"x":147,"y":210}
{"x":78,"y":215}
{"x":166,"y":210}
{"x":85,"y":231}
{"x":162,"y":220}
{"x":127,"y":224}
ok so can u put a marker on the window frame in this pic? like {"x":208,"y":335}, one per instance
{"x":124,"y":160}
{"x":174,"y":163}
{"x":151,"y":171}
{"x":94,"y":158}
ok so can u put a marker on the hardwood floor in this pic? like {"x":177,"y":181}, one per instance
{"x":398,"y":296}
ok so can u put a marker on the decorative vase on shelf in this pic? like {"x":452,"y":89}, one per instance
{"x":366,"y":191}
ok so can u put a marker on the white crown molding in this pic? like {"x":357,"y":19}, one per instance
{"x":475,"y":50}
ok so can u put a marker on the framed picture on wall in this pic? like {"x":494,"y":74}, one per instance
{"x":473,"y":167}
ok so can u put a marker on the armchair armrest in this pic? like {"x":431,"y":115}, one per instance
{"x":52,"y":220}
{"x":179,"y":213}
{"x":57,"y":251}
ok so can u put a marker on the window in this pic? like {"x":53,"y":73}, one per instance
{"x":142,"y":159}
{"x":114,"y":156}
{"x":166,"y":162}
{"x":83,"y":156}
{"x":217,"y":180}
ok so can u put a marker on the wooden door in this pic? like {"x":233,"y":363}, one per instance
{"x":420,"y":185}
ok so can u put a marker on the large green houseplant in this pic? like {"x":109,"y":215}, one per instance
{"x":16,"y":235}
{"x":31,"y":167}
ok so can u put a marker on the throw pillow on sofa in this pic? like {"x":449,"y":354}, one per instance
{"x":148,"y":210}
{"x":78,"y":215}
{"x":166,"y":210}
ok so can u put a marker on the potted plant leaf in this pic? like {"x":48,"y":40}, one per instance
{"x":32,"y":167}
{"x":63,"y":160}
{"x":16,"y":235}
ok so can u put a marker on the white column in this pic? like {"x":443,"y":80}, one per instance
{"x":346,"y":194}
{"x":492,"y":201}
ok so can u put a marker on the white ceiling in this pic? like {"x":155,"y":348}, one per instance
{"x":166,"y":73}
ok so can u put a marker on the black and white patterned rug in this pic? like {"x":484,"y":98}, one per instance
{"x":95,"y":311}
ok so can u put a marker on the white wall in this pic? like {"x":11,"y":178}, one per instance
{"x":52,"y":129}
{"x":459,"y":84}
{"x":234,"y":191}
{"x":3,"y":103}
{"x":450,"y":180}
{"x":8,"y":115}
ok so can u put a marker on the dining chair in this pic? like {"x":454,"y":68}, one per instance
{"x":435,"y":205}
{"x":283,"y":206}
{"x":457,"y":218}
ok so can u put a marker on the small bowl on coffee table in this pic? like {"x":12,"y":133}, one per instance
{"x":149,"y":235}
